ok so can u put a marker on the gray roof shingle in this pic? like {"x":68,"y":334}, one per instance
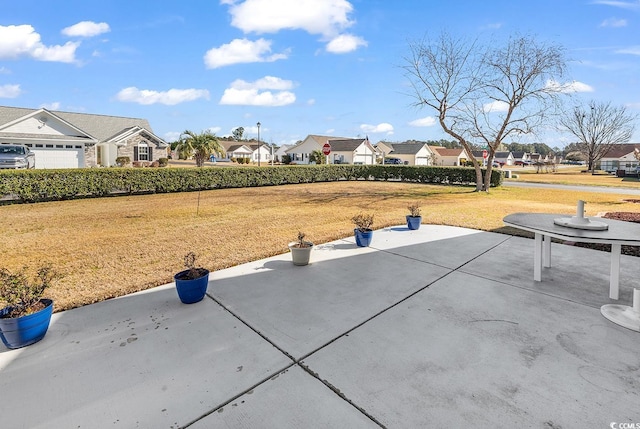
{"x":102,"y":127}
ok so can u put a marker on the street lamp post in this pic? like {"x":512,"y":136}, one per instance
{"x":258,"y":124}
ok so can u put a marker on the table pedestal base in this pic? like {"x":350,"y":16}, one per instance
{"x":623,"y":315}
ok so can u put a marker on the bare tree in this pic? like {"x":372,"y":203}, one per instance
{"x":598,"y":127}
{"x":486,"y":93}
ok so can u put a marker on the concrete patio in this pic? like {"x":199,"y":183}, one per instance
{"x":440,"y":327}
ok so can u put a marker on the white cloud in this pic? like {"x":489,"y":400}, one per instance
{"x":171,"y":136}
{"x":311,"y":101}
{"x":632,"y":50}
{"x":345,"y":43}
{"x":214,"y":130}
{"x":10,"y":91}
{"x":170,"y":97}
{"x":325,"y":17}
{"x":51,"y":106}
{"x":496,"y":106}
{"x":86,"y":29}
{"x":4,"y":70}
{"x":380,"y":128}
{"x":568,"y":87}
{"x":257,"y":93}
{"x":267,"y":82}
{"x":614,"y":22}
{"x":21,"y":40}
{"x":621,"y":4}
{"x":241,"y":51}
{"x":423,"y":122}
{"x":492,"y":26}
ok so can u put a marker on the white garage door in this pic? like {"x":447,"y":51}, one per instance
{"x":59,"y":156}
{"x":422,"y":160}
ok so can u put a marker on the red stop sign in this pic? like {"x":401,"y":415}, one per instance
{"x":326,"y":149}
{"x":484,"y":154}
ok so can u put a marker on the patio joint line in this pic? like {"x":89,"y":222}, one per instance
{"x":384,"y":310}
{"x":339,"y":393}
{"x":280,"y":349}
{"x":239,"y":395}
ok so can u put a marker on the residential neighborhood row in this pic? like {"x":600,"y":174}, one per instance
{"x":78,"y":140}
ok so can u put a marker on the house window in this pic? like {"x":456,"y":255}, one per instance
{"x":143,"y":152}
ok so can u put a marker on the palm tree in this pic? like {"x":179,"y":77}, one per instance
{"x":317,"y":156}
{"x":200,"y":146}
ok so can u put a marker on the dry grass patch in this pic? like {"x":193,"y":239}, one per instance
{"x":113,"y":246}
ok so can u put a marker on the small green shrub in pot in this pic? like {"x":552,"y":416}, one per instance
{"x":414,"y":217}
{"x":363,"y":222}
{"x":24,"y":314}
{"x":301,"y":249}
{"x":21,"y":294}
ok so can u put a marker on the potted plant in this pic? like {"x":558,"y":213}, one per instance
{"x":191,"y":284}
{"x":25,"y":318}
{"x":300,"y":250}
{"x":363,"y":231}
{"x":413,"y":218}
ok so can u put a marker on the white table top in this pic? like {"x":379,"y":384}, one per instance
{"x":619,"y":232}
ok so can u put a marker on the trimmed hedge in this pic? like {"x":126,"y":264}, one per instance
{"x":50,"y":185}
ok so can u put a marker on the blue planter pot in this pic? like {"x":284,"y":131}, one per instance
{"x":413,"y":222}
{"x":23,"y":331}
{"x":363,"y":239}
{"x":190,"y":291}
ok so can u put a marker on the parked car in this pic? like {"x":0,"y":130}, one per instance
{"x":16,"y":156}
{"x":522,"y":163}
{"x":393,"y":161}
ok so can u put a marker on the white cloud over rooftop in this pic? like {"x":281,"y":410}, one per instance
{"x":18,"y":41}
{"x":267,"y":91}
{"x":10,"y":91}
{"x":169,"y":98}
{"x":383,"y":127}
{"x":240,"y":51}
{"x":327,"y":18}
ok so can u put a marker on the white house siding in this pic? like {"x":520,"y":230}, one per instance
{"x":627,"y":162}
{"x":364,"y":155}
{"x":300,"y":153}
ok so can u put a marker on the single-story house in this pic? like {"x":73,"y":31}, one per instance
{"x":538,"y":158}
{"x":503,"y":157}
{"x":521,"y":156}
{"x":383,"y":149}
{"x":235,"y":150}
{"x":620,"y":157}
{"x":301,"y":152}
{"x":282,"y":151}
{"x":264,"y":154}
{"x":78,"y":140}
{"x":413,"y":153}
{"x":352,"y":151}
{"x":449,"y":157}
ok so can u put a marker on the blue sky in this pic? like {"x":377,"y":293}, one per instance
{"x":298,"y":67}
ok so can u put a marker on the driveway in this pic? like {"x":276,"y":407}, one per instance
{"x":580,"y":188}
